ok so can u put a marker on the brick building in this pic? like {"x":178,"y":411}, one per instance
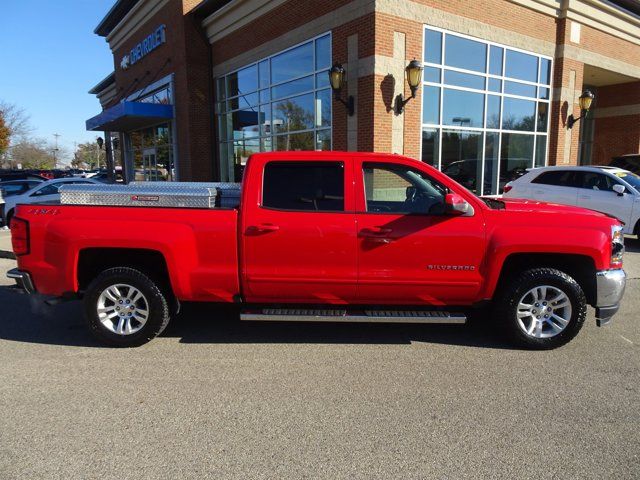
{"x":199,"y":85}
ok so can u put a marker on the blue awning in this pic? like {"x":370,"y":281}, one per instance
{"x":127,"y":116}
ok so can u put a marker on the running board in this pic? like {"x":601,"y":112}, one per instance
{"x":365,"y":316}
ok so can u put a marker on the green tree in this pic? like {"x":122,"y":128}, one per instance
{"x":89,"y":156}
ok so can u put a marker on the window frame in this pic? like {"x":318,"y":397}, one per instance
{"x":484,"y":130}
{"x":314,"y":163}
{"x":266,"y":141}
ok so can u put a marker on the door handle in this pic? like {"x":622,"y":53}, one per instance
{"x":262,"y":228}
{"x":379,"y":234}
{"x":585,"y":197}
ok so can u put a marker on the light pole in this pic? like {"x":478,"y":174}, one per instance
{"x":55,"y":150}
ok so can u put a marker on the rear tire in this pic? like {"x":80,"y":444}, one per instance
{"x":541,"y":308}
{"x":125,"y":308}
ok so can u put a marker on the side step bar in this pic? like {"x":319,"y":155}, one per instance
{"x":365,"y":316}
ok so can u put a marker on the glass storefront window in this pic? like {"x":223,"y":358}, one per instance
{"x":462,"y":157}
{"x":518,"y":114}
{"x":430,"y":146}
{"x":282,"y":102}
{"x":462,"y":108}
{"x":151,"y":150}
{"x":485,"y":109}
{"x":465,"y":53}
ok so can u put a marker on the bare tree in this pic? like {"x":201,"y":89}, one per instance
{"x":17,"y":121}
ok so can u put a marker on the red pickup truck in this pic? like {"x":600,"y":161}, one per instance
{"x":329,"y":236}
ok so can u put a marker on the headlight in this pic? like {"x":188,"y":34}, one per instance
{"x":617,"y":246}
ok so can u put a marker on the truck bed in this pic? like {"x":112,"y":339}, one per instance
{"x":199,"y":246}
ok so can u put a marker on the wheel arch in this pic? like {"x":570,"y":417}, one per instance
{"x":93,"y":261}
{"x":581,"y":268}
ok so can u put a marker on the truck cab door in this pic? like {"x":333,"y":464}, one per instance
{"x":299,"y":234}
{"x":410,"y":250}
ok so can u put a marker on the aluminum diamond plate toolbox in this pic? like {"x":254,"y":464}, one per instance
{"x":156,"y":194}
{"x":228,"y":193}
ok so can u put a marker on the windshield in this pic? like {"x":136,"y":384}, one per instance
{"x":631,"y":178}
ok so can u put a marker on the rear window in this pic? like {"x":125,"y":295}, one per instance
{"x":561,"y":178}
{"x":304,"y":186}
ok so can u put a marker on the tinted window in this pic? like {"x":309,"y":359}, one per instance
{"x":561,"y":178}
{"x":307,"y":186}
{"x":48,"y":190}
{"x":630,"y":178}
{"x":521,"y":66}
{"x":399,"y":189}
{"x":594,"y":181}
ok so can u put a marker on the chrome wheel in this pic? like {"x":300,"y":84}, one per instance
{"x":122,"y":309}
{"x":544,"y":311}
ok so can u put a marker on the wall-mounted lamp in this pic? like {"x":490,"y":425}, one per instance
{"x":414,"y":78}
{"x":100,"y":142}
{"x":337,"y":76}
{"x":585,"y":104}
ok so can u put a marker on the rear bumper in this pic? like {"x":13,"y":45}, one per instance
{"x":610,"y":285}
{"x":23,"y":280}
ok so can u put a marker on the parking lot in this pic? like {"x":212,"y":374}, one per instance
{"x":217,"y":398}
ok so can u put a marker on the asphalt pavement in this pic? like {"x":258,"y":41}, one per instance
{"x":217,"y":398}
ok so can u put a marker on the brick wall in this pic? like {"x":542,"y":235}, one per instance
{"x":185,"y":54}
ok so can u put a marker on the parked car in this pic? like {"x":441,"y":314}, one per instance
{"x":629,"y":162}
{"x":323,"y":236}
{"x":17,"y":187}
{"x":7,"y":176}
{"x":44,"y":192}
{"x":608,"y":190}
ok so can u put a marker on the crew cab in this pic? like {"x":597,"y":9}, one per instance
{"x":326,"y":236}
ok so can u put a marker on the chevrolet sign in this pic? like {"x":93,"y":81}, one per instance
{"x":146,"y":46}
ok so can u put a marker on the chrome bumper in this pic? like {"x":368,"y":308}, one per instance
{"x":610,"y":289}
{"x":23,"y":280}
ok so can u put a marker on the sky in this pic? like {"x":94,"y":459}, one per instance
{"x":49,"y":59}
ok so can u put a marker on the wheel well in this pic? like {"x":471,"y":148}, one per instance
{"x":580,"y":267}
{"x":93,"y":261}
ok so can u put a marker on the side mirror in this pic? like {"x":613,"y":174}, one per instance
{"x":619,"y":189}
{"x":456,"y":205}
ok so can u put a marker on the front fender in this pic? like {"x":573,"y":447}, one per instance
{"x":506,"y":241}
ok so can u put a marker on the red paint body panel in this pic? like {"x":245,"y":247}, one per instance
{"x":199,"y":246}
{"x":274,"y":256}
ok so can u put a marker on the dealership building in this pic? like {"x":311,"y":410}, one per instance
{"x":198,"y":86}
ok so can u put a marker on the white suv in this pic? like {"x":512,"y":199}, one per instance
{"x":604,"y":189}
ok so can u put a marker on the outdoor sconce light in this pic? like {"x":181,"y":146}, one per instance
{"x":100,"y":142}
{"x":337,"y":75}
{"x":585,"y":104}
{"x":414,"y":78}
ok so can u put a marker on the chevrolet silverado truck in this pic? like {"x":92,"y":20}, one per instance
{"x":322,"y":236}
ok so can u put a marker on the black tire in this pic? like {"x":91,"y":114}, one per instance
{"x":506,"y":307}
{"x":158,"y":307}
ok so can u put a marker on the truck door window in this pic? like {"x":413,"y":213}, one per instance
{"x":304,"y":186}
{"x":391,"y":188}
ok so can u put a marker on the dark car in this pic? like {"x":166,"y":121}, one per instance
{"x":7,"y":176}
{"x":629,"y":162}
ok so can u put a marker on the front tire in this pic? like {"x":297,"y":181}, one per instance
{"x":125,"y":308}
{"x":542,"y":308}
